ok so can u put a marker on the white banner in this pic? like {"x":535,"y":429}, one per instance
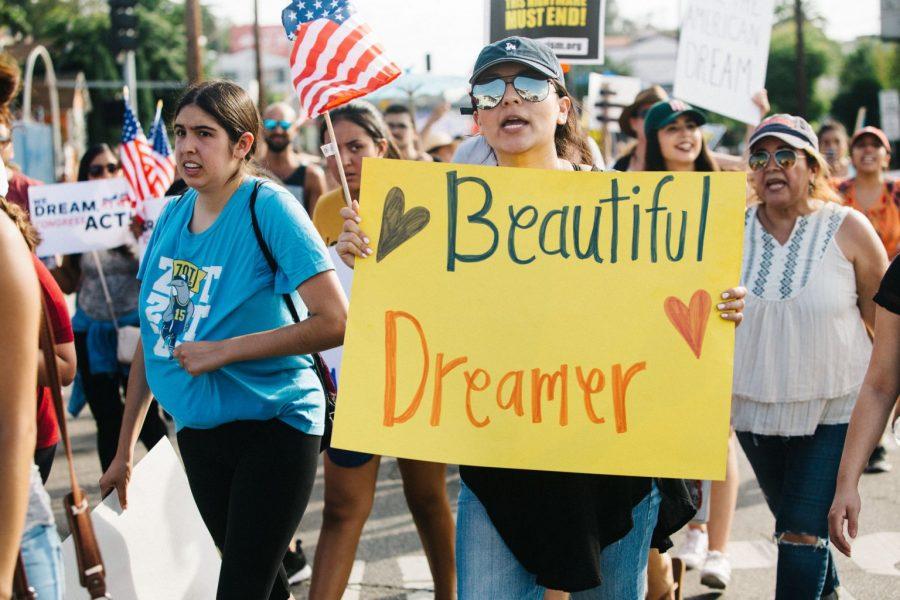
{"x":159,"y":547}
{"x":334,"y":356}
{"x":151,"y":209}
{"x":615,"y":92}
{"x":723,"y":53}
{"x":79,"y":217}
{"x":889,"y":108}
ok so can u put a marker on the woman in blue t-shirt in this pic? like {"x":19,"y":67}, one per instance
{"x":219,"y":348}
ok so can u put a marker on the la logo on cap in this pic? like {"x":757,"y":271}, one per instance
{"x":511,"y":46}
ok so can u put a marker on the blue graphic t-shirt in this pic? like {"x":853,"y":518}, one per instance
{"x":217,"y":284}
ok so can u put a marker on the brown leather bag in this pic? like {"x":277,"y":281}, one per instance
{"x":21,"y":589}
{"x":91,"y":573}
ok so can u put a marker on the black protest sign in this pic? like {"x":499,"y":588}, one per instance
{"x":572,"y":28}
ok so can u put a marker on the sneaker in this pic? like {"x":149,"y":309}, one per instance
{"x":295,"y":565}
{"x":716,"y":572}
{"x":692,"y":549}
{"x":878,"y":462}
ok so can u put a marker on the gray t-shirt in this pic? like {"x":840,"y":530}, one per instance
{"x":120,"y":268}
{"x":39,"y":510}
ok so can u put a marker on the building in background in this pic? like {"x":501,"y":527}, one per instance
{"x":239,"y":63}
{"x":650,"y":56}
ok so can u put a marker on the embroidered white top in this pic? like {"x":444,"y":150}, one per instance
{"x":802,"y":350}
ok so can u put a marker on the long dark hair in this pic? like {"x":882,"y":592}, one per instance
{"x":654,"y":160}
{"x":10,"y":78}
{"x":571,"y":142}
{"x":366,"y":116}
{"x":88,"y":157}
{"x":233,"y":109}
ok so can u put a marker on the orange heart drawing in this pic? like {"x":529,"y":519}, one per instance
{"x":690,"y":321}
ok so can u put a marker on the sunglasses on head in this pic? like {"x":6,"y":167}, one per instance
{"x":5,"y":140}
{"x":488,"y":94}
{"x":784,"y":158}
{"x":97,"y":170}
{"x":271,"y":124}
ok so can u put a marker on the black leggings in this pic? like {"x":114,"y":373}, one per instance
{"x":251,"y":481}
{"x":103,"y":392}
{"x":43,"y":458}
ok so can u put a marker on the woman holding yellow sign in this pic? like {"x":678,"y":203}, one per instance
{"x":522,"y":532}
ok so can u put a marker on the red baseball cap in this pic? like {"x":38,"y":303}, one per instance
{"x":869,"y":130}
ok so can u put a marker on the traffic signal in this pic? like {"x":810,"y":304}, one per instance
{"x":123,"y":24}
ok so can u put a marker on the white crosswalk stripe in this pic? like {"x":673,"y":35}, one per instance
{"x":416,"y":576}
{"x":354,"y":586}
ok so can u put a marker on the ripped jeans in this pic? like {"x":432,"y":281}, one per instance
{"x":797,"y":475}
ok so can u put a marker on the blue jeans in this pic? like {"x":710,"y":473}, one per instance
{"x":798,"y":476}
{"x":42,"y":557}
{"x":486,"y":568}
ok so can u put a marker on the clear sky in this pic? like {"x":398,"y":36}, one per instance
{"x":453,"y":30}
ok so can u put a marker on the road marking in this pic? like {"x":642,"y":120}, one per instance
{"x":878,"y":553}
{"x":354,"y":583}
{"x":416,"y":574}
{"x":758,"y":554}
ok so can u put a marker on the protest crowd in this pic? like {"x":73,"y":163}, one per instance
{"x":204,"y":323}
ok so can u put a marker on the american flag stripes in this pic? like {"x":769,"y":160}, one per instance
{"x":162,"y":151}
{"x":335,"y":57}
{"x":142,"y":170}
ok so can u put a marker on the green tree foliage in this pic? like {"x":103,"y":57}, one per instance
{"x":868,"y":69}
{"x":77,"y":34}
{"x":781,"y":80}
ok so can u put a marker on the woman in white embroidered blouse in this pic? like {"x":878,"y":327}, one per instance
{"x":812,"y":268}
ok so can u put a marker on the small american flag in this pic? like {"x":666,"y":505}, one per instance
{"x":335,"y":57}
{"x":162,"y":151}
{"x":145,"y":177}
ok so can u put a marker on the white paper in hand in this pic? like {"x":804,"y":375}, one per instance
{"x":159,"y":547}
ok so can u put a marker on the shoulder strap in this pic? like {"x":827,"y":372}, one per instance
{"x":47,"y":348}
{"x":106,"y":295}
{"x":265,"y":248}
{"x":319,"y":363}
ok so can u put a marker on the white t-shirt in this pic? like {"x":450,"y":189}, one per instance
{"x":476,"y":151}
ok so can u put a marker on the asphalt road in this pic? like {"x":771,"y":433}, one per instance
{"x":390,"y":563}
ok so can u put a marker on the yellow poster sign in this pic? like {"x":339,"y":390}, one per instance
{"x":547,"y":320}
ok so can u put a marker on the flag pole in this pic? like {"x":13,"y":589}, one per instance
{"x":337,"y":157}
{"x":159,"y":104}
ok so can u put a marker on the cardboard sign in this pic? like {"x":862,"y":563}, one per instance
{"x":572,"y":28}
{"x":79,"y":217}
{"x":889,"y":109}
{"x":607,"y":96}
{"x":723,"y":53}
{"x":150,"y":209}
{"x":542,"y":319}
{"x":159,"y":547}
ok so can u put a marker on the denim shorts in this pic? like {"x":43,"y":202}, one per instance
{"x":42,"y":556}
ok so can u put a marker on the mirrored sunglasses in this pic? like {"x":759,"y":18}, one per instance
{"x":784,"y":158}
{"x":488,"y":94}
{"x":271,"y":124}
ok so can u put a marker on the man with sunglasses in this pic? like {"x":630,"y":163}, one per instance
{"x":298,"y":172}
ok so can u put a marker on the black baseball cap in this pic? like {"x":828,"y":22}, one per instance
{"x":530,"y":53}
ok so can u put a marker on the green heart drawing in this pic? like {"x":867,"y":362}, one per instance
{"x":397,"y":226}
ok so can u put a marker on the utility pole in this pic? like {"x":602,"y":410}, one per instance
{"x":194,"y":29}
{"x":801,"y":60}
{"x":260,"y":74}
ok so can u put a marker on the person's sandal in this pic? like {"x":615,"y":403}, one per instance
{"x":677,"y":575}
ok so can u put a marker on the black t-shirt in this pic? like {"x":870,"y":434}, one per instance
{"x":623,"y":162}
{"x":888,"y":294}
